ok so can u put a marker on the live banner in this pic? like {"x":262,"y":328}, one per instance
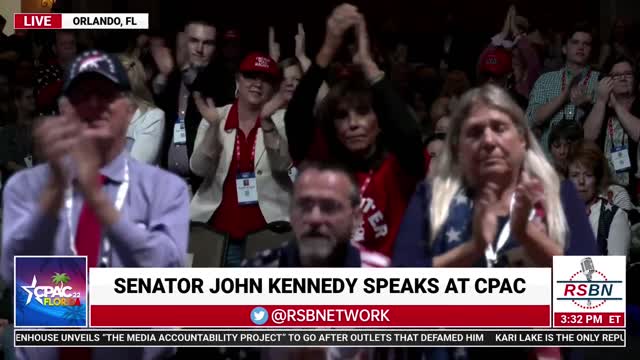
{"x":314,"y":337}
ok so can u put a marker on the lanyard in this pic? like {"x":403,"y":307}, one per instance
{"x":610,"y":128}
{"x":366,"y":182}
{"x":238,"y":151}
{"x":584,"y":82}
{"x":120,"y":196}
{"x":490,"y":253}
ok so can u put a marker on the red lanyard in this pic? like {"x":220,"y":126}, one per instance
{"x":366,"y":182}
{"x":564,"y":79}
{"x":253,"y":150}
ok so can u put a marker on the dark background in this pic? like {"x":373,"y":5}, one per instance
{"x":413,"y":21}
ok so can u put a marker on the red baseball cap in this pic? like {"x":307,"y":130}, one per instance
{"x":259,"y":63}
{"x":496,"y":61}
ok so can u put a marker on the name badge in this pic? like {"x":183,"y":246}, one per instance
{"x":293,"y":173}
{"x":247,"y":189}
{"x":179,"y":132}
{"x":620,"y":159}
{"x":28,"y":161}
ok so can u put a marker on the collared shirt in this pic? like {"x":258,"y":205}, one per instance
{"x":152,"y":230}
{"x":231,"y":218}
{"x":548,"y":87}
{"x":288,"y":256}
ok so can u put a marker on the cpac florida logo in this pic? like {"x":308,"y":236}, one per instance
{"x":589,"y":288}
{"x":50,"y":291}
{"x":57,"y":295}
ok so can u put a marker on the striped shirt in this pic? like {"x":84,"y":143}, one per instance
{"x":548,"y":87}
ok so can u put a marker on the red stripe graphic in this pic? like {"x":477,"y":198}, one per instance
{"x":37,"y":21}
{"x":323,"y":315}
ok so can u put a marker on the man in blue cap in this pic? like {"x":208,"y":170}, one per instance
{"x":90,"y":198}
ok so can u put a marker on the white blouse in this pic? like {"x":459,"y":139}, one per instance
{"x":144,"y":135}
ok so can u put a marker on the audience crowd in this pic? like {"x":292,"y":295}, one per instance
{"x":353,"y":155}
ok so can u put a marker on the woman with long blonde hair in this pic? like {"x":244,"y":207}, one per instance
{"x":146,"y":129}
{"x":495,"y":199}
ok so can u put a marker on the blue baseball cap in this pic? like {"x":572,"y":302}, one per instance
{"x":97,"y":62}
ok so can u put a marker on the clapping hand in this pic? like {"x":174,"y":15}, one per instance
{"x":605,"y":86}
{"x":206,"y":107}
{"x":485,"y":217}
{"x":529,"y":195}
{"x":579,"y":96}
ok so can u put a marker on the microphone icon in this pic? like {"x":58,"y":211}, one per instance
{"x":587,"y":270}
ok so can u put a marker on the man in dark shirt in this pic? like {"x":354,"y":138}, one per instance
{"x":325,"y":212}
{"x":191,"y":70}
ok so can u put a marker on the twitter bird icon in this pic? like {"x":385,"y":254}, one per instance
{"x":259,"y":316}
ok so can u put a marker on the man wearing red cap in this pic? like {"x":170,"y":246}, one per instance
{"x":242,"y":153}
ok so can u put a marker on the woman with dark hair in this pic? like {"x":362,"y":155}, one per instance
{"x":589,"y":171}
{"x":365,"y":125}
{"x":562,"y":138}
{"x":614,"y":123}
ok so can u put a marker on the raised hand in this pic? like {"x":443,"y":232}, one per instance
{"x":84,"y":152}
{"x":182,"y":51}
{"x":508,"y":20}
{"x":362,"y":56}
{"x":163,"y":59}
{"x":342,"y":19}
{"x":578,"y":95}
{"x":529,"y":194}
{"x":301,"y":49}
{"x":274,"y":47}
{"x":207,"y":108}
{"x":485,"y":218}
{"x":613,"y":102}
{"x":55,"y":137}
{"x":301,"y":39}
{"x":605,"y":86}
{"x":277,"y":101}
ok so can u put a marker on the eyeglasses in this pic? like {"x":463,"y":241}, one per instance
{"x":620,"y":76}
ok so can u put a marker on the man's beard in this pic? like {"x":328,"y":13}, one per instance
{"x":315,"y":247}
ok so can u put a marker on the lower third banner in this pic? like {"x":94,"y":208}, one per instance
{"x":312,"y":338}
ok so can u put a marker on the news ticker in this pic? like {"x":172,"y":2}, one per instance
{"x":324,"y":337}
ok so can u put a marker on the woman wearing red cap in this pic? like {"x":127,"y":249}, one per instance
{"x":364,"y":124}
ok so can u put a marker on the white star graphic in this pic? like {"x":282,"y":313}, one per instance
{"x":460,"y":199}
{"x":26,"y":289}
{"x":608,"y":207}
{"x":453,"y":236}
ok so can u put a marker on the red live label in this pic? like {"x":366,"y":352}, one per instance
{"x":588,"y":319}
{"x":37,"y":21}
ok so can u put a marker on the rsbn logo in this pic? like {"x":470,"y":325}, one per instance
{"x":589,"y":288}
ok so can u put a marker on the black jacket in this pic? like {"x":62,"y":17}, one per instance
{"x":211,"y":82}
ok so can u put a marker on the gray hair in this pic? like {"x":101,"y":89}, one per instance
{"x":449,"y":179}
